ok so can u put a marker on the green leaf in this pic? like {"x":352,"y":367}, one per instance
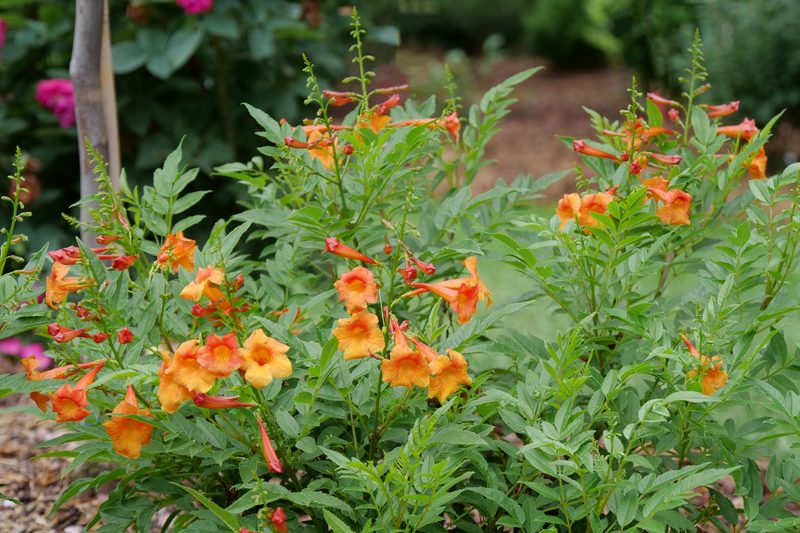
{"x":336,"y":525}
{"x":185,"y":202}
{"x":187,"y":222}
{"x":726,"y":508}
{"x":457,"y":437}
{"x":318,"y":500}
{"x":509,"y":505}
{"x":759,"y":190}
{"x":127,"y":56}
{"x":228,"y":518}
{"x":181,"y":46}
{"x":288,"y":424}
{"x":232,"y":239}
{"x":272,"y":129}
{"x":690,"y":396}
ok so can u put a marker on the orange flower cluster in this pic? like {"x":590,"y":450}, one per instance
{"x":128,"y":435}
{"x":463,"y":294}
{"x":360,"y":336}
{"x":193,"y":369}
{"x":375,"y":119}
{"x":573,"y":205}
{"x":177,"y":251}
{"x":406,"y":367}
{"x":712,"y":377}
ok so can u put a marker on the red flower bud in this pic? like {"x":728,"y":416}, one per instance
{"x":218,"y":402}
{"x":106,"y":239}
{"x":673,"y":114}
{"x":425,"y":267}
{"x":387,"y":249}
{"x":336,"y":94}
{"x":409,"y":273}
{"x":340,"y":101}
{"x":347,"y":149}
{"x":666,"y":159}
{"x":125,"y":336}
{"x":660,"y":100}
{"x":237,"y":284}
{"x":279,"y":520}
{"x":582,"y":148}
{"x":635,"y":167}
{"x":123,"y":263}
{"x":100,"y":337}
{"x":384,"y":108}
{"x":270,"y":456}
{"x":624,"y":157}
{"x":294,"y":143}
{"x":333,"y":246}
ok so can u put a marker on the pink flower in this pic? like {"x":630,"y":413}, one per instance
{"x":193,"y":7}
{"x":56,"y":95}
{"x":3,"y":28}
{"x":11,"y":346}
{"x":14,"y":346}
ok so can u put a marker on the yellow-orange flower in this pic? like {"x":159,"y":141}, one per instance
{"x":473,"y":280}
{"x":463,"y":301}
{"x":675,"y":210}
{"x":405,"y":367}
{"x":264,"y":359}
{"x":70,"y":403}
{"x":657,"y":182}
{"x":220,"y":356}
{"x":568,"y":207}
{"x":205,"y":283}
{"x":359,"y":336}
{"x":758,"y":166}
{"x":170,"y":394}
{"x":713,"y":377}
{"x":58,"y":285}
{"x":42,"y":400}
{"x":594,"y":203}
{"x":187,"y":371}
{"x":323,"y":153}
{"x":746,"y":130}
{"x":572,"y":205}
{"x":357,"y":289}
{"x":178,"y":251}
{"x":128,"y":436}
{"x":449,"y":374}
{"x":376,"y":122}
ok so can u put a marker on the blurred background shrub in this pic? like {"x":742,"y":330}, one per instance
{"x":177,"y":74}
{"x":181,"y":74}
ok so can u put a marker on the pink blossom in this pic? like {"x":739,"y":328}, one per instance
{"x":11,"y":346}
{"x":56,"y":95}
{"x":193,"y":7}
{"x":3,"y":28}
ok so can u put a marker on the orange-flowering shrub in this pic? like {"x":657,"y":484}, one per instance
{"x":332,"y":359}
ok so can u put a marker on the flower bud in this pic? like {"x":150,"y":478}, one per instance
{"x":125,"y":336}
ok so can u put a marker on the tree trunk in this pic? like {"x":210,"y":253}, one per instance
{"x":95,"y":106}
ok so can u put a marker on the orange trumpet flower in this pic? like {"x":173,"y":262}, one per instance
{"x":658,"y":99}
{"x":722,"y":110}
{"x":178,"y":251}
{"x":187,"y":371}
{"x":333,"y":246}
{"x":270,"y":456}
{"x":58,"y":285}
{"x":359,"y":336}
{"x":127,"y":435}
{"x":61,"y":334}
{"x":746,"y":130}
{"x":220,"y":356}
{"x":264,"y":359}
{"x":405,"y":367}
{"x":758,"y":166}
{"x":170,"y":394}
{"x":713,"y":378}
{"x":30,"y":363}
{"x":205,"y":283}
{"x":657,"y":182}
{"x":70,"y":403}
{"x":357,"y":289}
{"x":675,"y":210}
{"x":449,"y":374}
{"x":582,"y":148}
{"x":463,"y":301}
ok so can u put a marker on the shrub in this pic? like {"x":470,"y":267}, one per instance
{"x":354,"y":406}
